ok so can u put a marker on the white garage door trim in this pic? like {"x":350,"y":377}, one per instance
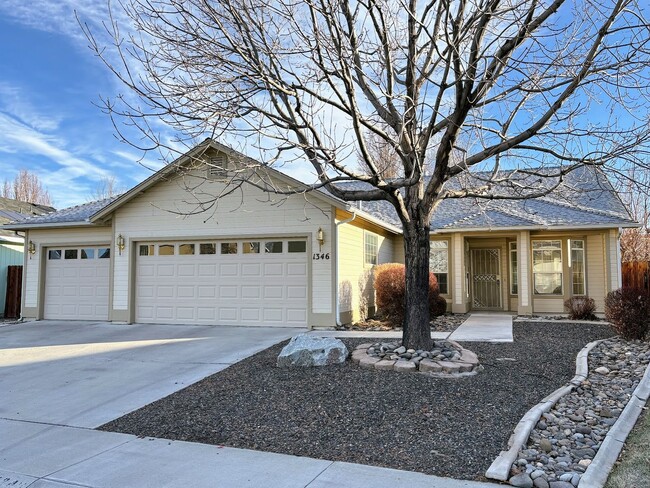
{"x":248,"y":282}
{"x":76,"y":283}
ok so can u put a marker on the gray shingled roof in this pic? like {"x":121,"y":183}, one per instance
{"x":584,"y":198}
{"x":12,"y":210}
{"x":76,"y":214}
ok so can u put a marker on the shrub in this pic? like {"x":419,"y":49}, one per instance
{"x":627,"y":310}
{"x":390,"y":289}
{"x":581,"y":308}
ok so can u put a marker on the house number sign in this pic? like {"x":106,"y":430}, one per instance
{"x":318,"y":256}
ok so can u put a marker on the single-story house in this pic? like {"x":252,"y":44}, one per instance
{"x":12,"y":243}
{"x":167,"y":252}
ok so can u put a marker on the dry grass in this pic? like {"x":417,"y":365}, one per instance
{"x":633,"y":467}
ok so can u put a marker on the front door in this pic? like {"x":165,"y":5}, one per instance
{"x":486,"y":279}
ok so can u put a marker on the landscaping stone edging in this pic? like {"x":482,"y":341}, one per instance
{"x":500,"y":467}
{"x":464,"y":362}
{"x":598,"y":471}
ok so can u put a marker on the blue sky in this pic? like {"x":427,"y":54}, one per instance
{"x":49,"y":81}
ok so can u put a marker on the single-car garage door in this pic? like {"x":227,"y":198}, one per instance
{"x":76,"y":283}
{"x":227,"y":282}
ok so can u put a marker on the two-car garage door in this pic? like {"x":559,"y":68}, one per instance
{"x":225,"y":282}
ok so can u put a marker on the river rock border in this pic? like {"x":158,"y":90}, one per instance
{"x":567,"y":439}
{"x":446,"y":359}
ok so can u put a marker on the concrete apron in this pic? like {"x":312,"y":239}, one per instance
{"x":47,"y":456}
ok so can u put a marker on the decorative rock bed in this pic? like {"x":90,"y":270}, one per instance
{"x":566,"y":439}
{"x":447,"y":358}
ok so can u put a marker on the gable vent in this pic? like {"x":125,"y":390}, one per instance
{"x":218,"y":167}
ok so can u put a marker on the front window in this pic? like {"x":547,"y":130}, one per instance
{"x":547,"y":267}
{"x":439,"y":264}
{"x":514,"y":288}
{"x":577,"y":266}
{"x":370,"y":246}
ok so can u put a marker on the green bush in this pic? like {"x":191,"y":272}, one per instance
{"x":627,"y":310}
{"x":390,"y":289}
{"x":581,"y":308}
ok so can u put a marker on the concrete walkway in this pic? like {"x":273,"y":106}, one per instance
{"x":484,"y":327}
{"x":479,"y":327}
{"x":46,"y":456}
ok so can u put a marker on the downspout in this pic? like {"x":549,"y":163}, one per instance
{"x":336,"y":268}
{"x":618,"y":258}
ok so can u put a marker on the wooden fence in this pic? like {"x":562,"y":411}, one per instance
{"x":14,"y":292}
{"x":635,"y":275}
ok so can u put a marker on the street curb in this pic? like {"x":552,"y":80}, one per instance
{"x":500,"y":467}
{"x":598,"y":471}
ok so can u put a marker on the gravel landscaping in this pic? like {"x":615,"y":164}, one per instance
{"x":441,"y":426}
{"x":444,"y":323}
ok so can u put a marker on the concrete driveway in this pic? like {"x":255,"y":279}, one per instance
{"x":85,"y":374}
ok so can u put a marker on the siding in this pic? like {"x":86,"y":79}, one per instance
{"x":356,"y":293}
{"x":164,"y":212}
{"x":10,"y":255}
{"x":596,"y":281}
{"x":43,"y":238}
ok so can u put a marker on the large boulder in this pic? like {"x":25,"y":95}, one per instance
{"x":305,"y":350}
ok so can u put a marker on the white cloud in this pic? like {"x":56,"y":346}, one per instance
{"x":13,"y":101}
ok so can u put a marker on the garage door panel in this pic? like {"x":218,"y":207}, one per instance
{"x":207,"y":291}
{"x":223,"y":289}
{"x":87,"y":273}
{"x":297,"y":292}
{"x":70,"y":272}
{"x":250,"y":292}
{"x":251,"y":269}
{"x":187,"y":292}
{"x":228,"y":314}
{"x":186,"y":270}
{"x":229,"y":269}
{"x":273,"y":269}
{"x":165,"y":270}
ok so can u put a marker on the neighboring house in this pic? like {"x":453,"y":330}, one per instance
{"x":255,"y":258}
{"x":11,"y":243}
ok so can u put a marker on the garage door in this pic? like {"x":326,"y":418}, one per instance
{"x":235,"y":282}
{"x":76,"y":283}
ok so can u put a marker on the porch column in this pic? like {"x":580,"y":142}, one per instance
{"x":524,"y":274}
{"x":459,"y":290}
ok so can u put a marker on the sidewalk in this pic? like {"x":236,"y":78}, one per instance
{"x":47,"y":456}
{"x":479,"y":327}
{"x":484,"y":327}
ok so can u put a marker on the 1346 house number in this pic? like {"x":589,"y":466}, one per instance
{"x":318,"y":256}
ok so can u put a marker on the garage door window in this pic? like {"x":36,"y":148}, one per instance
{"x":297,"y":246}
{"x":251,"y":247}
{"x":274,"y":247}
{"x":88,"y":253}
{"x":146,"y":250}
{"x":104,"y":252}
{"x":166,"y":250}
{"x":71,"y":254}
{"x":208,"y":248}
{"x":228,"y":248}
{"x":54,"y":254}
{"x":186,"y":249}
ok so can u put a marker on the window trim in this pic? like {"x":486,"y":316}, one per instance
{"x":583,"y":250}
{"x":514,"y":273}
{"x":366,"y":254}
{"x":446,"y":249}
{"x":561,"y":272}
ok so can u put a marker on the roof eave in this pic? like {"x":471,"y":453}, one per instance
{"x":535,"y":227}
{"x":47,"y":225}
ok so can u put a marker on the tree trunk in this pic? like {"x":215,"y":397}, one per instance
{"x":417,"y":331}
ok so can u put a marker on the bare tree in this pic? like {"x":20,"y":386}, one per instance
{"x":26,"y":187}
{"x":542,"y":88}
{"x":106,"y":188}
{"x":635,"y":243}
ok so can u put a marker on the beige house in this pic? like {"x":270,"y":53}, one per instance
{"x":167,"y":251}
